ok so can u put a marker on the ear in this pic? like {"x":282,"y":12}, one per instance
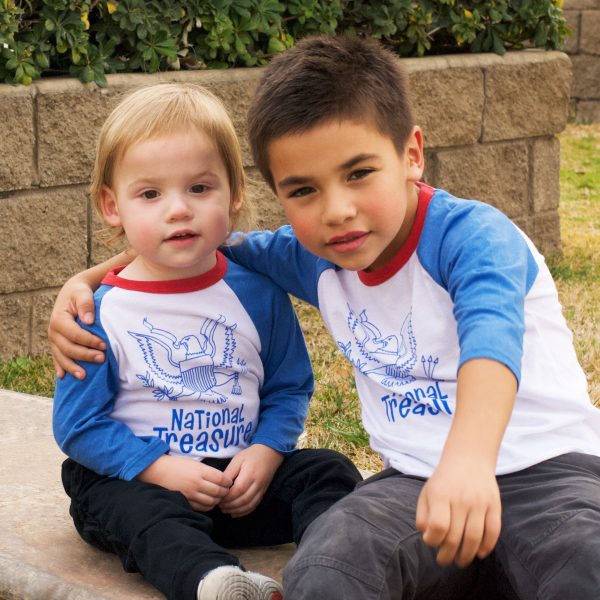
{"x":414,"y":156}
{"x":108,"y":206}
{"x":236,"y":204}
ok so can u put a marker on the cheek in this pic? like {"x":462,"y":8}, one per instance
{"x":303,"y":224}
{"x":222,"y":219}
{"x":142,"y":228}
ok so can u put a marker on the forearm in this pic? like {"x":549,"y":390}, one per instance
{"x":486,"y":392}
{"x":94,"y":275}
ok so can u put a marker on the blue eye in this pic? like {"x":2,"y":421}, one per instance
{"x":199,"y":188}
{"x":150,"y":194}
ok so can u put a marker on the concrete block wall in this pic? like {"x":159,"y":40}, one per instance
{"x":489,"y":125}
{"x":583,"y":18}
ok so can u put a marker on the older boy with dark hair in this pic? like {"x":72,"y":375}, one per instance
{"x":469,"y":383}
{"x":468,"y":380}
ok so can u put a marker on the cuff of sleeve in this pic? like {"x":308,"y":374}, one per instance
{"x":155,"y":449}
{"x":285,"y":449}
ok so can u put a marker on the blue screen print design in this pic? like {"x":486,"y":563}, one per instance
{"x":389,"y":359}
{"x":197,"y":366}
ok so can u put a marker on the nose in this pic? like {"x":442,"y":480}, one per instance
{"x":338,"y":207}
{"x":179,"y":208}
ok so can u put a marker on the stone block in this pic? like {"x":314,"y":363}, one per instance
{"x":581,"y":4}
{"x":235,"y":92}
{"x":588,"y":111}
{"x":15,"y":317}
{"x":590,"y":32}
{"x":495,"y":173}
{"x":586,"y":77}
{"x":526,"y":98}
{"x":42,"y":304}
{"x":546,"y":233}
{"x":444,"y":121}
{"x":234,"y":87}
{"x":545,"y":174}
{"x":430,"y":174}
{"x":44,"y":240}
{"x":573,"y":19}
{"x":17,"y":140}
{"x":70,"y":115}
{"x":268,"y":213}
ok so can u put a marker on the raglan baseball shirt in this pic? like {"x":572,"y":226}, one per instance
{"x":198,"y":367}
{"x":466,"y":284}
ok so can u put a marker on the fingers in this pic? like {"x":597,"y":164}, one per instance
{"x":60,"y":372}
{"x":65,"y":354}
{"x":83,"y":301}
{"x":243,"y":504}
{"x":203,"y":502}
{"x":433,"y":521}
{"x":460,"y":536}
{"x":471,"y":540}
{"x":493,"y":525}
{"x":216,"y":478}
{"x":70,"y":343}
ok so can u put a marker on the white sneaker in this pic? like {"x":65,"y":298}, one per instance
{"x":231,"y":583}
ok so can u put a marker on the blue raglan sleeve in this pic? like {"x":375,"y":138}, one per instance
{"x":280,"y":256}
{"x":288,"y":380}
{"x":82,"y":425}
{"x":486,"y":266}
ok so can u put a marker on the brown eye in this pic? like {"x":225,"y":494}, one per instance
{"x":150,"y":194}
{"x":359,"y":174}
{"x":300,"y":192}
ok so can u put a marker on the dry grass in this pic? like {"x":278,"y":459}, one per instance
{"x":577,"y":272}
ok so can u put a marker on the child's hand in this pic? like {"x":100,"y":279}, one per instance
{"x":252,"y":471}
{"x":203,"y":486}
{"x":68,"y":341}
{"x":459,"y":512}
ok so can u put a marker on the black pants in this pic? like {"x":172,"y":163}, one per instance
{"x":156,"y":532}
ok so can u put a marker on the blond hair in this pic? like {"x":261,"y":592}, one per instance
{"x":162,"y":109}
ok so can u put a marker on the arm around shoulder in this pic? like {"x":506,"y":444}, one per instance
{"x":69,"y":342}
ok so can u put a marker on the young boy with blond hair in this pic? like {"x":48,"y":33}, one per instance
{"x":183,"y":442}
{"x":469,"y":383}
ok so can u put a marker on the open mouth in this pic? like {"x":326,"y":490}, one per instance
{"x":181,"y":236}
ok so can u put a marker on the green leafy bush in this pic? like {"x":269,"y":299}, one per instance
{"x":89,"y":38}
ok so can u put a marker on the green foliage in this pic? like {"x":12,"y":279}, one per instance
{"x":28,"y":374}
{"x":89,"y":38}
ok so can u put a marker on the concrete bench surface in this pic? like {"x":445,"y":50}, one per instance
{"x":41,"y":554}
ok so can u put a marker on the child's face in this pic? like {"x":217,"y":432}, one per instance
{"x":347,"y":192}
{"x":171,"y":195}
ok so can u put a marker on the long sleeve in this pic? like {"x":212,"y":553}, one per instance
{"x":288,"y":380}
{"x":84,"y":430}
{"x":281,"y":257}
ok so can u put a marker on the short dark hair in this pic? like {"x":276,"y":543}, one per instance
{"x":326,"y":78}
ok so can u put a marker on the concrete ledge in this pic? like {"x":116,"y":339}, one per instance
{"x":41,"y":555}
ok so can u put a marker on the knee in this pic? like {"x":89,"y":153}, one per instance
{"x":333,"y":465}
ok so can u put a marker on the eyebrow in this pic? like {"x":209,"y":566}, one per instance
{"x":151,"y":181}
{"x":293,"y":180}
